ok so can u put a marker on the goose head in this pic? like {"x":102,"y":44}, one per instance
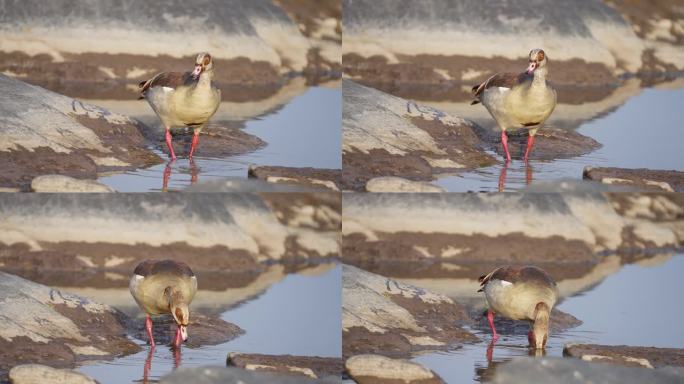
{"x":203,"y":63}
{"x":537,"y":59}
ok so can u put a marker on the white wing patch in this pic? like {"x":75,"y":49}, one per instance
{"x":134,"y":283}
{"x":167,"y":89}
{"x":505,"y":283}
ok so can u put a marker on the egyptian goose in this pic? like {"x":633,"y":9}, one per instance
{"x":161,"y":287}
{"x":187,"y":99}
{"x":521,"y":293}
{"x":517,"y":101}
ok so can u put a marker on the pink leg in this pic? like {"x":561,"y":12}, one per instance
{"x":195,"y":141}
{"x":193,"y":171}
{"x":169,"y":144}
{"x":490,"y":317}
{"x":177,"y":339}
{"x":529,"y":338}
{"x":167,"y":176}
{"x":148,"y":327}
{"x":502,"y":177}
{"x":490,"y":351}
{"x":530,"y":143}
{"x":504,"y":141}
{"x":148,"y":365}
{"x":176,"y":358}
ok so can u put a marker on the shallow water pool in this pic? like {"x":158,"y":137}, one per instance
{"x":633,"y":306}
{"x":299,"y":315}
{"x":644,"y":132}
{"x":304,"y":132}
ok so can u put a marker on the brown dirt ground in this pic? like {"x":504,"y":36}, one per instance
{"x":286,"y":207}
{"x":124,"y":140}
{"x":202,"y":331}
{"x":460,"y":143}
{"x":105,"y":330}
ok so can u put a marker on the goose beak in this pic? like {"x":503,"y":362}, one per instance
{"x":197,"y":71}
{"x":531,"y":68}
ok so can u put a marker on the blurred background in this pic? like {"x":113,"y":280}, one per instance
{"x":278,"y":64}
{"x":616,"y":65}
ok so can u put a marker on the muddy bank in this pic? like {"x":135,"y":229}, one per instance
{"x":550,"y":143}
{"x":659,"y":25}
{"x":383,"y":316}
{"x":55,"y":327}
{"x":642,"y":179}
{"x":96,"y":50}
{"x":316,"y":211}
{"x":328,"y":179}
{"x":523,"y":228}
{"x":229,"y":233}
{"x":367,"y":369}
{"x":566,"y":371}
{"x":301,"y":366}
{"x":202,"y":330}
{"x":559,"y":322}
{"x":439,"y":43}
{"x":37,"y":373}
{"x":80,"y":140}
{"x":387,"y":136}
{"x":216,"y":140}
{"x":649,"y":357}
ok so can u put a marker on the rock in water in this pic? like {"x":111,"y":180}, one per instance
{"x":42,"y":374}
{"x":381,"y":315}
{"x":221,"y":375}
{"x":57,"y":328}
{"x":370,"y":369}
{"x":47,"y":133}
{"x":571,"y":371}
{"x":59,"y":183}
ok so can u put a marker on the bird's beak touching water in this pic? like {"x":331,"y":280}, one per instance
{"x":184,"y":331}
{"x":197,"y":71}
{"x":531,"y":67}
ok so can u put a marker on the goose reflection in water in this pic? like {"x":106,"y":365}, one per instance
{"x":529,"y":175}
{"x":194,"y":172}
{"x":148,"y":362}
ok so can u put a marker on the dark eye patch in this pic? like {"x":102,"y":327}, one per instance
{"x":207,"y":59}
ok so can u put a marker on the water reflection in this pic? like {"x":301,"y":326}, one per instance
{"x":176,"y":352}
{"x":629,"y":306}
{"x":529,"y":176}
{"x":194,"y":171}
{"x":310,"y":116}
{"x":296,"y":313}
{"x":637,"y":128}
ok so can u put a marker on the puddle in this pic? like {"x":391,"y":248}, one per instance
{"x":305,"y":131}
{"x":299,"y":315}
{"x":644,"y":132}
{"x":632,"y":307}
